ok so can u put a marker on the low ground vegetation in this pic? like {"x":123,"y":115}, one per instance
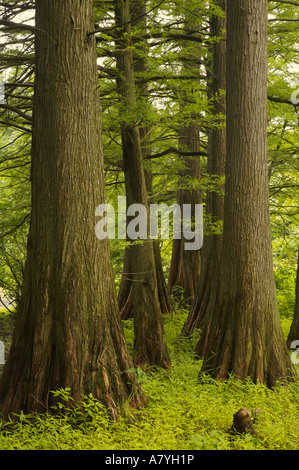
{"x":183,"y":412}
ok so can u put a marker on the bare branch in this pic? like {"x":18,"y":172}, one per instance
{"x":280,"y":100}
{"x":15,"y":227}
{"x":178,"y":152}
{"x":17,"y":111}
{"x":288,"y":2}
{"x":17,"y":26}
{"x":16,"y":126}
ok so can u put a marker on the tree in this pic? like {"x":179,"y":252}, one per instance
{"x":15,"y":142}
{"x":140,"y":52}
{"x":171,"y":68}
{"x":68,"y":332}
{"x":150,"y":346}
{"x":245,"y":338}
{"x":294,"y":330}
{"x":185,"y":264}
{"x":211,"y":250}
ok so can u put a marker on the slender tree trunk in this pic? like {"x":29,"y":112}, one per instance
{"x":294,"y":330}
{"x":185,"y":265}
{"x":244,"y":338}
{"x":150,"y":343}
{"x":68,"y":332}
{"x":138,"y":11}
{"x":211,"y":250}
{"x":126,"y":287}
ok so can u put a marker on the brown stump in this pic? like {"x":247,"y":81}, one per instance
{"x":242,"y":423}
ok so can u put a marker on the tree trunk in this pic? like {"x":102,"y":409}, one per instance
{"x":150,"y":346}
{"x":211,"y":249}
{"x":68,"y":332}
{"x":138,"y":13}
{"x":244,"y":338}
{"x":125,"y":288}
{"x":185,"y":265}
{"x":294,"y":330}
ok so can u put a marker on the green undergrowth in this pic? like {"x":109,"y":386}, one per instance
{"x":183,"y":413}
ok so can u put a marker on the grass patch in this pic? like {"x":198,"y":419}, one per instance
{"x":182,"y":414}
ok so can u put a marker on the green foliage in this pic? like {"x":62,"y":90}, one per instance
{"x":183,"y":413}
{"x":285,"y":269}
{"x":14,"y":211}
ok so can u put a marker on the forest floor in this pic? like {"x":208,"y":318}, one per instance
{"x":183,"y":413}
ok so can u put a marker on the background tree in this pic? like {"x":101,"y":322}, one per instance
{"x":283,"y":149}
{"x":211,"y":250}
{"x":185,"y":264}
{"x":138,"y":13}
{"x":294,"y":330}
{"x":68,"y":332}
{"x":16,"y":60}
{"x":149,"y":342}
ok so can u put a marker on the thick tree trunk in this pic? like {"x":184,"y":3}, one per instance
{"x":244,"y":338}
{"x":294,"y":330}
{"x":211,"y":250}
{"x":150,"y":346}
{"x":68,"y":332}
